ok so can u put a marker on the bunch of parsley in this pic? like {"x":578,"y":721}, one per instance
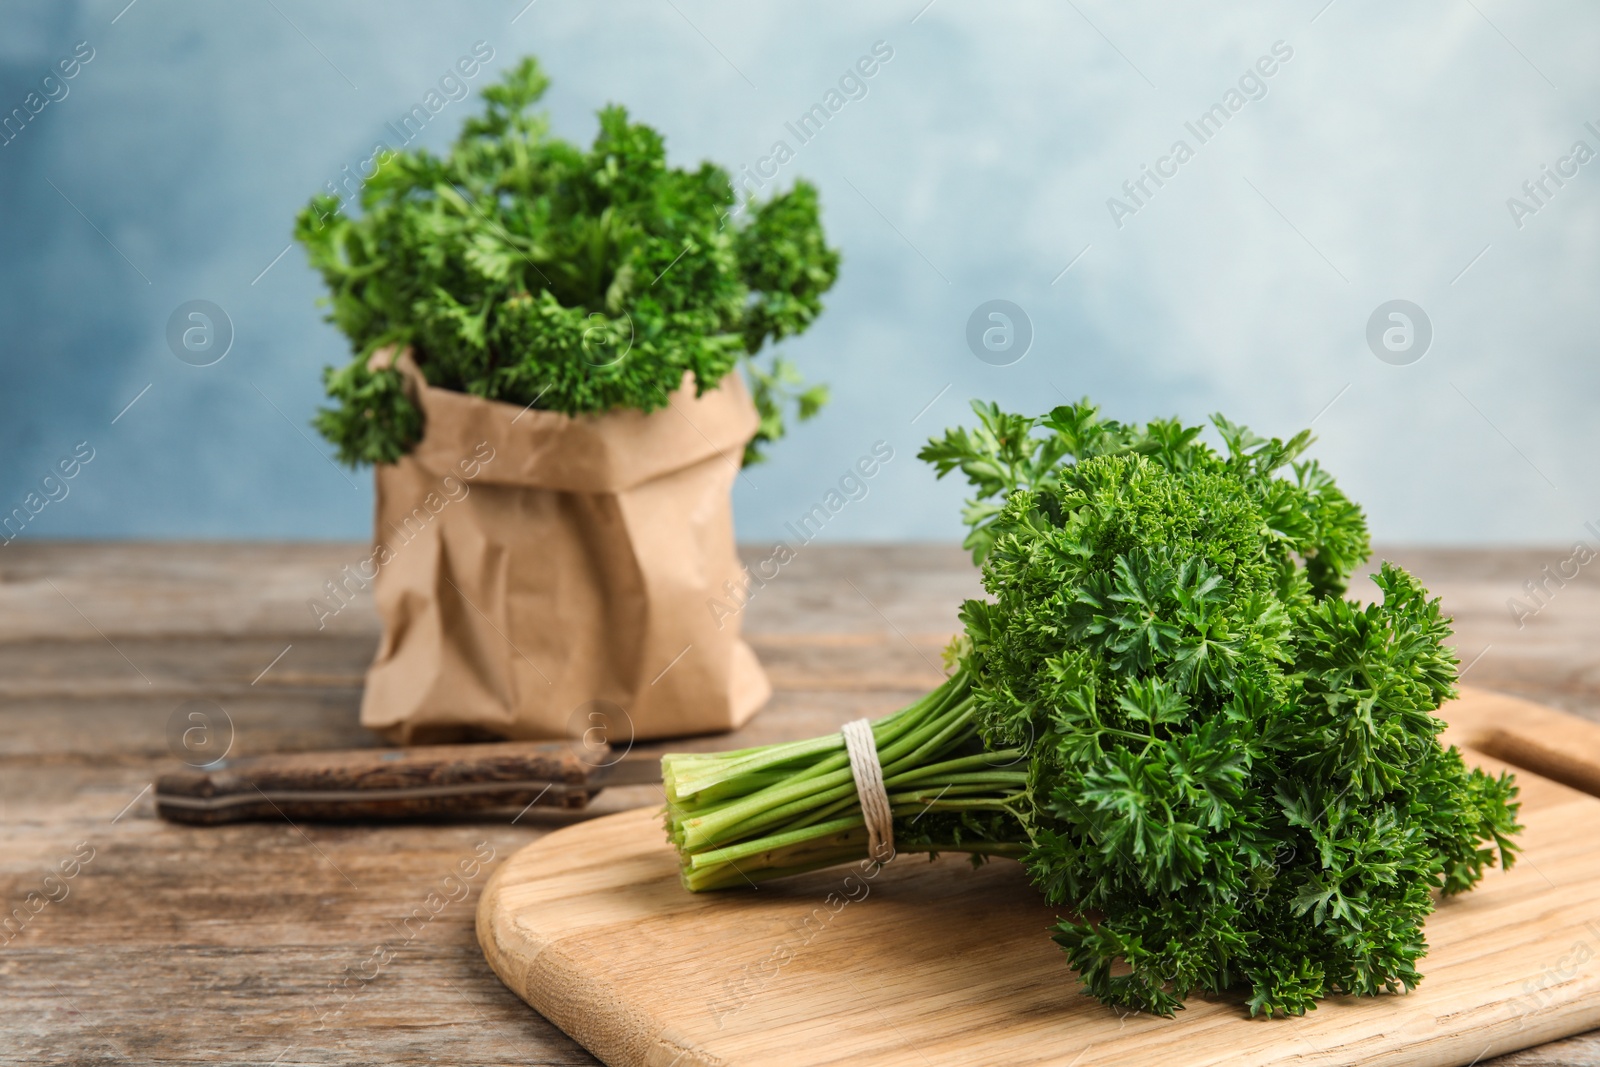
{"x":523,"y":268}
{"x":1227,"y":771}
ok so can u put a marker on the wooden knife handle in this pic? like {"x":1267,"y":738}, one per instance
{"x":381,"y":783}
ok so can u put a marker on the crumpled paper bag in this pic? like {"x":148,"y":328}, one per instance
{"x":541,"y":575}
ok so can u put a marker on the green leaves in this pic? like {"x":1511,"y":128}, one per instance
{"x":374,"y":414}
{"x":1233,"y":772}
{"x":1229,"y":775}
{"x":1152,"y":701}
{"x":999,"y":457}
{"x":1314,"y":533}
{"x":773,"y":390}
{"x":523,"y":268}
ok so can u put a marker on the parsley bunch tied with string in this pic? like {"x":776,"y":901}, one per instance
{"x":1227,"y":774}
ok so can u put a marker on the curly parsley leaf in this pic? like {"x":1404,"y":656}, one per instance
{"x":523,"y":268}
{"x":1229,"y":774}
{"x":1236,"y":778}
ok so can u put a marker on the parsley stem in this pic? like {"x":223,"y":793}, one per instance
{"x":781,"y":809}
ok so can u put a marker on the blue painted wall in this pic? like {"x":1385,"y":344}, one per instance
{"x":1378,"y":160}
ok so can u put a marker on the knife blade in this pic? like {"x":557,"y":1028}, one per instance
{"x":397,"y":783}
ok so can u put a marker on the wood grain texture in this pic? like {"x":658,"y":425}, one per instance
{"x":939,"y":964}
{"x":253,"y":943}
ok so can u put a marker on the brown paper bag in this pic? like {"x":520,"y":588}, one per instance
{"x":544,"y":576}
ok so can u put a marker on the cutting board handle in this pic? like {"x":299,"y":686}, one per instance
{"x":1560,"y":747}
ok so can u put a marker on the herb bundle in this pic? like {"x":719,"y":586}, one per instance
{"x":1168,"y":711}
{"x":523,"y":268}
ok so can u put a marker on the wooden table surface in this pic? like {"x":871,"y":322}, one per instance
{"x":280,"y":944}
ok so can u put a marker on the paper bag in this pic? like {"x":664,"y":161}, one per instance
{"x":541,"y":575}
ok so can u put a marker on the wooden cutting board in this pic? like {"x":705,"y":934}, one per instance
{"x":940,"y":964}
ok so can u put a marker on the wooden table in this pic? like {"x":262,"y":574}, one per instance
{"x":280,"y":944}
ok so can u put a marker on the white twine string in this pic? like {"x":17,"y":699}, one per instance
{"x":862,"y":749}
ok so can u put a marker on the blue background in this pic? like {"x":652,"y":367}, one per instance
{"x":1377,"y":165}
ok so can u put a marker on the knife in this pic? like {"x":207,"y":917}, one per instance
{"x":395,"y":783}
